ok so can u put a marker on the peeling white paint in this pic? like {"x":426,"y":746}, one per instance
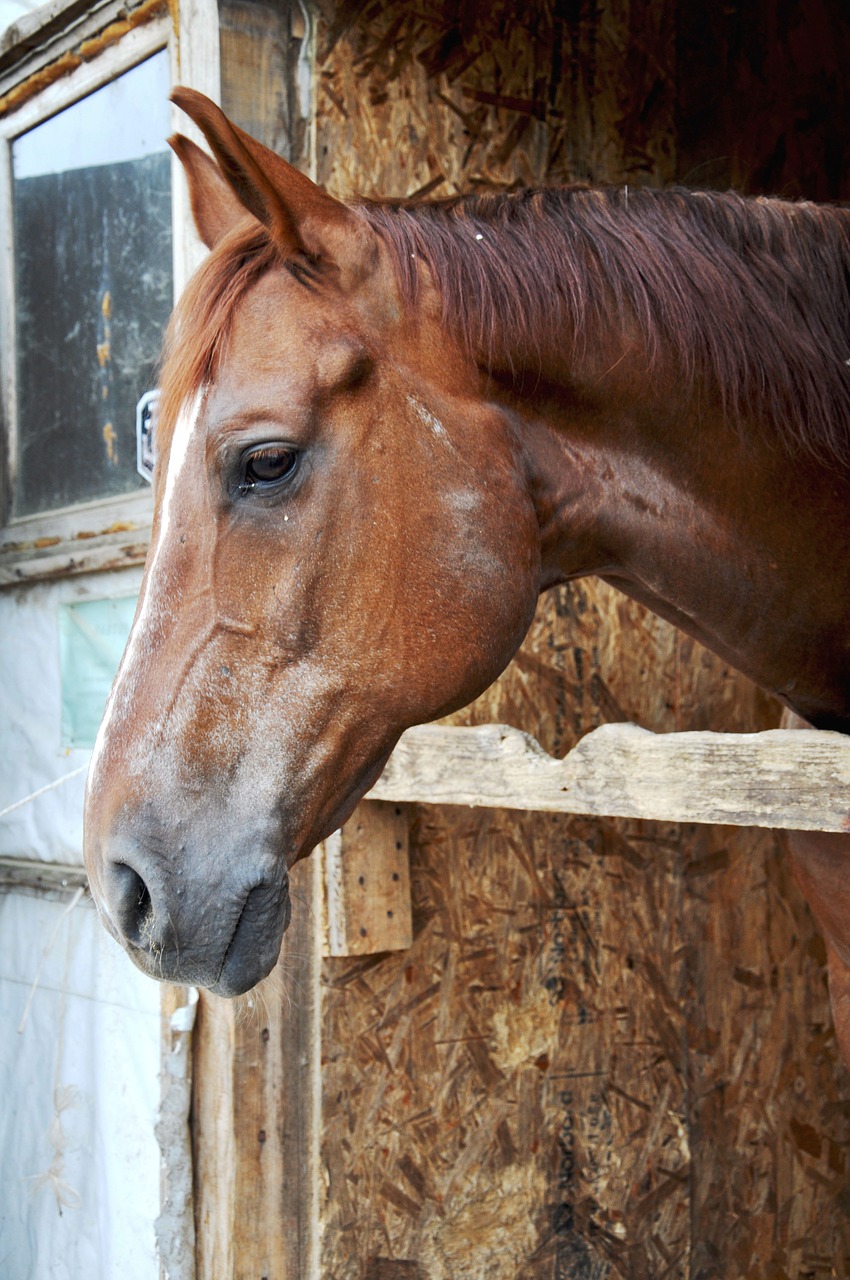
{"x":175,"y":1226}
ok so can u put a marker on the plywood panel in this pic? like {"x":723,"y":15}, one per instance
{"x":608,"y":1052}
{"x":459,"y":97}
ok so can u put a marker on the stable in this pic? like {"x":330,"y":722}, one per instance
{"x":533,"y":1018}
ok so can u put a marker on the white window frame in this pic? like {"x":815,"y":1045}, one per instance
{"x":110,"y":532}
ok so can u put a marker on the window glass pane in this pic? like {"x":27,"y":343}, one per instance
{"x":93,"y":284}
{"x":92,"y":638}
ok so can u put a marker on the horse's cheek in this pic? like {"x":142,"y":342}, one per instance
{"x":492,"y":563}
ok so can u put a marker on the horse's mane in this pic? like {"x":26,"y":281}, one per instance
{"x":198,"y":329}
{"x":752,"y":296}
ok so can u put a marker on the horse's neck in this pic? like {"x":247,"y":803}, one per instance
{"x":613,"y":370}
{"x":711,"y":527}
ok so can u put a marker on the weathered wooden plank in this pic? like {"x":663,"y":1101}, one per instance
{"x":175,"y":1227}
{"x":793,"y":780}
{"x":260,"y":45}
{"x":367,"y":874}
{"x":84,"y":554}
{"x":46,"y":879}
{"x":255,"y":1115}
{"x":196,"y":63}
{"x":52,"y":41}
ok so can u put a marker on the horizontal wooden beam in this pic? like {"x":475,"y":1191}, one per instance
{"x":47,"y":879}
{"x":62,"y":559}
{"x":798,"y":780}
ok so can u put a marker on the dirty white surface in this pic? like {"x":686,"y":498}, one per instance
{"x":79,"y":1079}
{"x":31,"y":753}
{"x":13,"y":10}
{"x":79,"y":1025}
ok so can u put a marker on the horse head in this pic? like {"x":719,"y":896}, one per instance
{"x":343,"y":545}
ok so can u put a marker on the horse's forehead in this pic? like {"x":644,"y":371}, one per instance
{"x":292,"y":344}
{"x":277,"y":312}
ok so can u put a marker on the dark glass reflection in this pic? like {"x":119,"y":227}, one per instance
{"x":93,"y":284}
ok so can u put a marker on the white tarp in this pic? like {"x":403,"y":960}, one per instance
{"x":31,"y":752}
{"x":79,"y":1083}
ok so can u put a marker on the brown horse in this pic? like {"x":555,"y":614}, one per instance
{"x":383,"y":431}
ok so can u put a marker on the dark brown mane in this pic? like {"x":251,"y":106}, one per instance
{"x":752,"y":295}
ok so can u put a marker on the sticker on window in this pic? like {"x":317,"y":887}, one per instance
{"x":145,"y":426}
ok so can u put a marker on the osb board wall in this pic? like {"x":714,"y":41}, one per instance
{"x":763,"y":96}
{"x":444,"y":96}
{"x":608,"y":1052}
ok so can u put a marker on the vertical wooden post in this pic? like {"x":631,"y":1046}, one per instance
{"x":175,"y":1227}
{"x":256,"y":1060}
{"x":255,"y":1117}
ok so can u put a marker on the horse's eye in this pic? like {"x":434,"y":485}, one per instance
{"x":269,"y":465}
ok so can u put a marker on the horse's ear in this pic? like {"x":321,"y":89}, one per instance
{"x":302,"y":218}
{"x":215,"y":208}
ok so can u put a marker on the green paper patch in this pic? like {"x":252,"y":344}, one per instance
{"x":92,"y":636}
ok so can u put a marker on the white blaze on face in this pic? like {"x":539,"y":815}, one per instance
{"x":183,"y":431}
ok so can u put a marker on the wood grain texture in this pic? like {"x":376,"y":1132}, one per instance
{"x":259,"y":72}
{"x":196,"y":63}
{"x":175,"y":1226}
{"x":253,"y":1115}
{"x":255,"y":1108}
{"x":608,"y":1051}
{"x":772,"y":779}
{"x":367,"y":874}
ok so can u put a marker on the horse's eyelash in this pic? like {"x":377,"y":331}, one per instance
{"x":268,"y":451}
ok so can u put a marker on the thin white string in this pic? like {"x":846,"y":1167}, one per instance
{"x":45,"y":953}
{"x":51,"y":786}
{"x":64,"y":1096}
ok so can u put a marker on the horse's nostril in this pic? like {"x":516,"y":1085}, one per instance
{"x":131,"y":903}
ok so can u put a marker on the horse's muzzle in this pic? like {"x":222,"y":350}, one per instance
{"x":223,"y":934}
